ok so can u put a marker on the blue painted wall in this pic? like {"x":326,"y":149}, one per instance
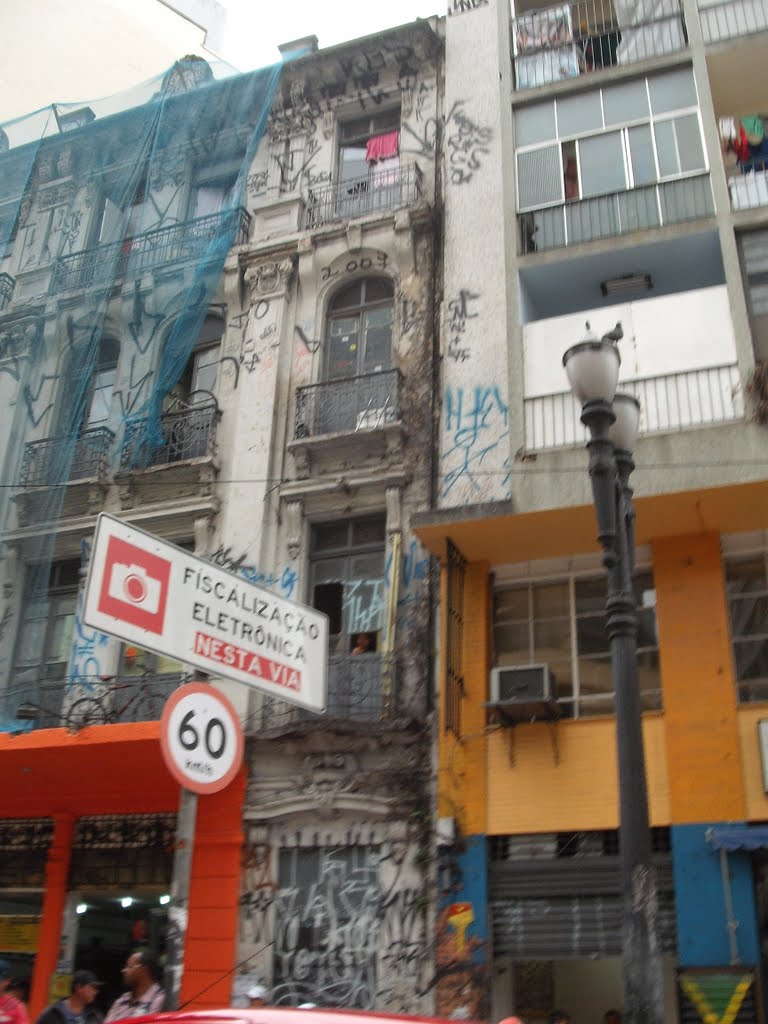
{"x":702,"y":932}
{"x":463,"y":878}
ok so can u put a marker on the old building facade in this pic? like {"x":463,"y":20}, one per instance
{"x":217,"y":324}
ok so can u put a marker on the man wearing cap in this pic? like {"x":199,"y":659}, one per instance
{"x":257,"y":996}
{"x":11,"y":1010}
{"x":78,"y":1007}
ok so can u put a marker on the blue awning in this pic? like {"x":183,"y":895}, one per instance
{"x":738,"y":837}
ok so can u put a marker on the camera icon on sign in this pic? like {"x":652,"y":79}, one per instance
{"x":132,"y":583}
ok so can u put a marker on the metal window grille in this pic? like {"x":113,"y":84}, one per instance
{"x":454,"y":662}
{"x":746,"y":584}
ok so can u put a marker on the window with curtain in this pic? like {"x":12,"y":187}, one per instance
{"x":608,"y":141}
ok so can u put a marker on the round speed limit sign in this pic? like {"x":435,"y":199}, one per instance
{"x":201,"y":738}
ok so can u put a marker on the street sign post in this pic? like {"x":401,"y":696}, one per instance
{"x":160,"y":597}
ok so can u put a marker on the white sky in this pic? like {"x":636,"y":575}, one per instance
{"x":256,"y":27}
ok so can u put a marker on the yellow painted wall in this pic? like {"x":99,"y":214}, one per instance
{"x":702,"y":736}
{"x":563,"y":777}
{"x":461,"y":783}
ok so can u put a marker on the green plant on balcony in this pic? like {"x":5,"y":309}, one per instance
{"x":757,"y":389}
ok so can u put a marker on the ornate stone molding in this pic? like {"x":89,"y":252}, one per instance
{"x":293,"y":517}
{"x":272,"y":277}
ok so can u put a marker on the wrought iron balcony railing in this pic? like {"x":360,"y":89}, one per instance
{"x":7,"y":284}
{"x":732,"y":18}
{"x":187,"y":431}
{"x":349,"y":405}
{"x":361,"y":688}
{"x":380,"y":190}
{"x":671,"y":402}
{"x":586,"y":36}
{"x":45,"y":461}
{"x":171,"y":244}
{"x":79,"y":701}
{"x":620,"y":213}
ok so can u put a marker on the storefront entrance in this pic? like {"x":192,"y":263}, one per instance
{"x":109,"y":927}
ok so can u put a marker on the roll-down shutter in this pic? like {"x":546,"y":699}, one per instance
{"x":568,"y":907}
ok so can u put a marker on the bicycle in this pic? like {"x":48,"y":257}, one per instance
{"x":140,"y":705}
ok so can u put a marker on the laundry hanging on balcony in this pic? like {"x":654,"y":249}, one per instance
{"x":382,"y":147}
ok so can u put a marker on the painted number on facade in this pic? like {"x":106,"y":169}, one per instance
{"x":201,"y":738}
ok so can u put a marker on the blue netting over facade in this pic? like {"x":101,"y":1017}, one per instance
{"x":114,"y":229}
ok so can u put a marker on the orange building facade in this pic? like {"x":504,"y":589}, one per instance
{"x":104,"y":809}
{"x":534,"y":804}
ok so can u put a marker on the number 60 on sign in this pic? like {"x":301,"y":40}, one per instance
{"x":201,"y":738}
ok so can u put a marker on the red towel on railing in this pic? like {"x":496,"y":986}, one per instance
{"x":382,"y":147}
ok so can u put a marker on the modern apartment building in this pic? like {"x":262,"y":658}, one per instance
{"x":216,"y":323}
{"x":604,"y":162}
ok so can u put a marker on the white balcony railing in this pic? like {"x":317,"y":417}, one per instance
{"x":669,"y":403}
{"x":619,"y":213}
{"x":750,"y":188}
{"x":732,"y":18}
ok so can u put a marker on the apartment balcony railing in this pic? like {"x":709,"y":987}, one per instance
{"x":621,"y":213}
{"x":76,"y":702}
{"x":381,"y":190}
{"x":7,"y":284}
{"x":361,"y":688}
{"x":44,"y":460}
{"x":728,"y":19}
{"x":367,"y":402}
{"x":579,"y":38}
{"x":186,"y":432}
{"x":750,"y":188}
{"x":671,"y":402}
{"x":175,"y":243}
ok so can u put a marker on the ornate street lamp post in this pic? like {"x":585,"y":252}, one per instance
{"x":612,"y":419}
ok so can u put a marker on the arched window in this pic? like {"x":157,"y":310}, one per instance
{"x":359,"y":329}
{"x":201,"y":372}
{"x":102,"y":384}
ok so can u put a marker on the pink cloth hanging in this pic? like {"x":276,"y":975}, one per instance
{"x":382,"y":147}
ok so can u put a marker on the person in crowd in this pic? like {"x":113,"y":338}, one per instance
{"x":612,"y":1017}
{"x":559,"y":1017}
{"x":78,"y":1007}
{"x":11,"y":1010}
{"x":145,"y":995}
{"x":257,"y":996}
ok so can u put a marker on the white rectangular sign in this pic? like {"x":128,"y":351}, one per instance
{"x":153,"y":594}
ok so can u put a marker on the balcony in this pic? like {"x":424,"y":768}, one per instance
{"x":187,"y":431}
{"x":7,"y":284}
{"x":569,"y":40}
{"x":74,"y":703}
{"x":44,"y":460}
{"x":621,"y":213}
{"x":670,"y":403}
{"x":378,"y":192}
{"x":729,"y":19}
{"x":361,"y":688}
{"x":352,"y":404}
{"x":132,"y":256}
{"x":750,"y":188}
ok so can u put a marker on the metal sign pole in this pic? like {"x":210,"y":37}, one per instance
{"x":178,"y":910}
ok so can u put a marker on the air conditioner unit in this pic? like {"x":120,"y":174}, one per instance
{"x":523,"y":692}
